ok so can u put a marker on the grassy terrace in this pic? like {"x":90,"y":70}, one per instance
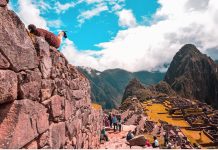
{"x":157,"y":112}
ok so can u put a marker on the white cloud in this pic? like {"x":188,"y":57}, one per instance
{"x":93,"y":1}
{"x":55,"y":23}
{"x":76,"y":57}
{"x":111,"y":6}
{"x":150,"y":47}
{"x":30,"y":14}
{"x":61,"y":8}
{"x":42,"y":5}
{"x":91,"y":13}
{"x":126,"y":18}
{"x":117,"y":7}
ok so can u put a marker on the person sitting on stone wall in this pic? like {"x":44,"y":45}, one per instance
{"x":156,"y":143}
{"x":166,"y":138}
{"x":129,"y":135}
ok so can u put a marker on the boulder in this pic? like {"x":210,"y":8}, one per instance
{"x":79,"y":141}
{"x":15,"y":43}
{"x":4,"y":64}
{"x":43,"y":139}
{"x":60,"y":86}
{"x":85,"y":117}
{"x":137,"y":141}
{"x":78,"y":94}
{"x":8,"y":86}
{"x":69,"y":109}
{"x":45,"y":60}
{"x":57,"y":135}
{"x":57,"y":107}
{"x":73,"y":127}
{"x":47,"y":89}
{"x":32,"y":145}
{"x":21,"y":122}
{"x":58,"y":60}
{"x":29,"y":84}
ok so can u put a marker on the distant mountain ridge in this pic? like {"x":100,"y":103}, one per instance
{"x":108,"y":86}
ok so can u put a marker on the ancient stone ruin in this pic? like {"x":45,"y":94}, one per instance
{"x":44,"y":101}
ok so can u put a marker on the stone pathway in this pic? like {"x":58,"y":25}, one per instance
{"x":117,"y":140}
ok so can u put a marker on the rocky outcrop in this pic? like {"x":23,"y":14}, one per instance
{"x":134,"y":88}
{"x":131,"y":103}
{"x":142,"y":93}
{"x":44,"y":101}
{"x":164,"y":88}
{"x":194,"y":75}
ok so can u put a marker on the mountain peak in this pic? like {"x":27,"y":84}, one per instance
{"x":189,"y":49}
{"x":193,"y":75}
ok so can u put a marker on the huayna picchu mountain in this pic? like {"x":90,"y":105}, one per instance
{"x":194,"y":75}
{"x":108,"y":86}
{"x":191,"y":75}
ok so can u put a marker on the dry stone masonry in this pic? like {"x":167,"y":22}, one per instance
{"x":44,"y":101}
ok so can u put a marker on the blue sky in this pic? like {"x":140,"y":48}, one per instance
{"x":130,"y":34}
{"x":100,"y":28}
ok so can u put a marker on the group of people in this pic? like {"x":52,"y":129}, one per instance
{"x":112,"y":121}
{"x":115,"y":122}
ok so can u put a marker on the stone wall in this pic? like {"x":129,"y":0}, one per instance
{"x":44,"y":101}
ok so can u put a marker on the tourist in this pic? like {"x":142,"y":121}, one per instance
{"x":169,"y":145}
{"x":107,"y":122}
{"x":147,"y":143}
{"x":129,"y":135}
{"x":183,"y":146}
{"x":200,"y":135}
{"x":156,"y":143}
{"x":110,"y":119}
{"x":196,"y":146}
{"x":114,"y":121}
{"x":104,"y":135}
{"x":166,"y":139}
{"x":119,"y":123}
